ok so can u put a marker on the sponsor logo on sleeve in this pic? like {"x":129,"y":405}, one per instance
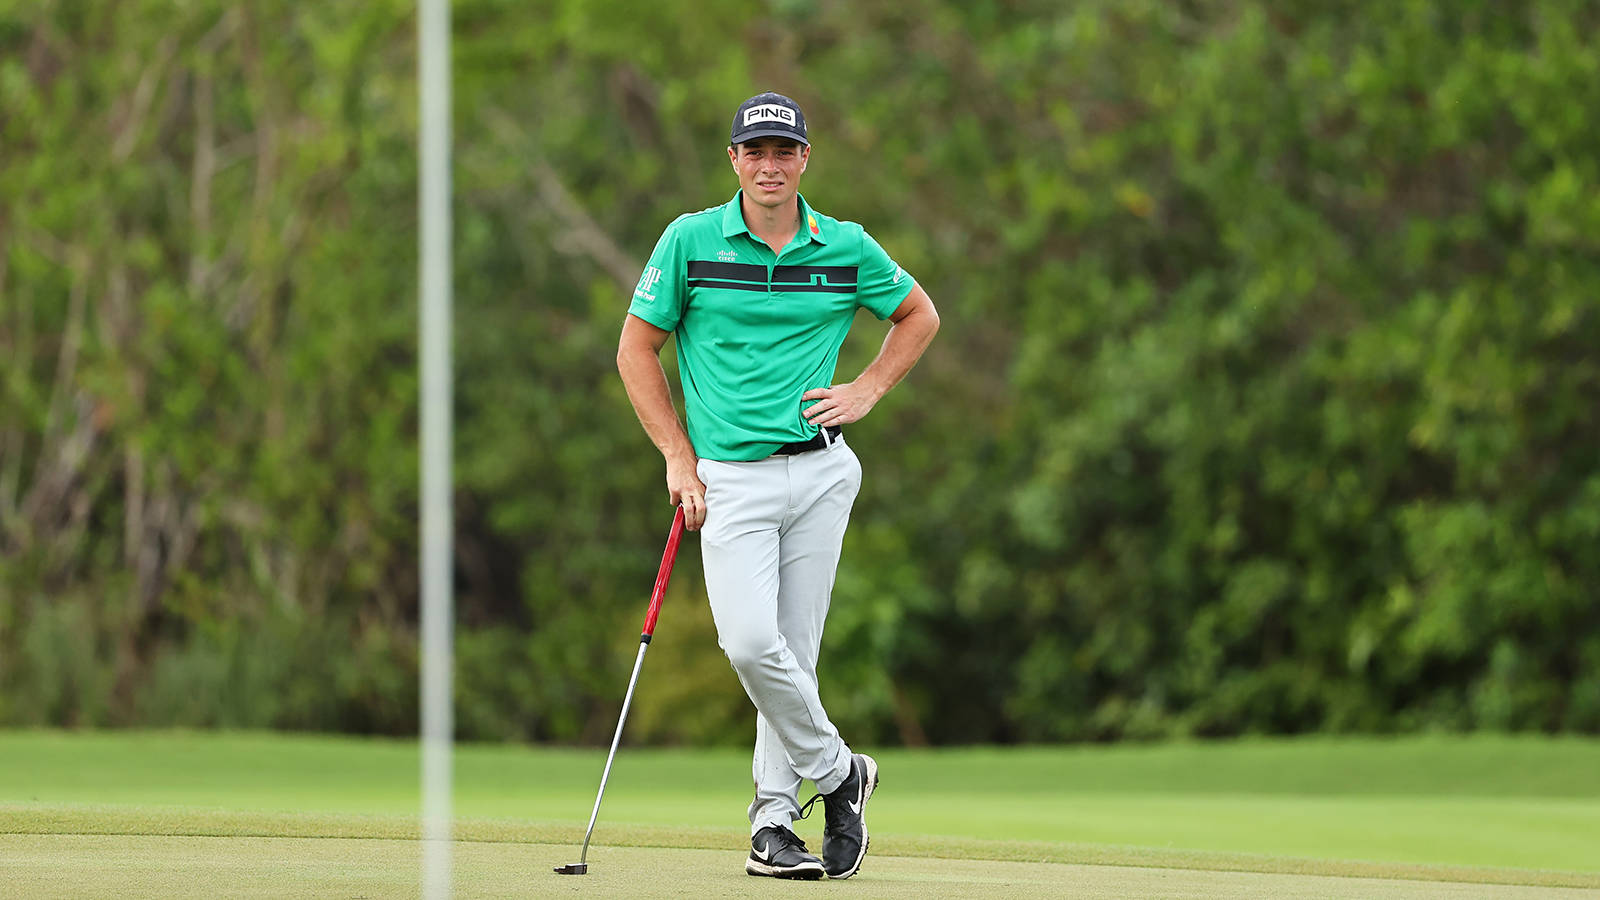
{"x":647,"y":283}
{"x":898,"y":272}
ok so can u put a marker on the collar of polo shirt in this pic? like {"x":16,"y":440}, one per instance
{"x":733,"y":220}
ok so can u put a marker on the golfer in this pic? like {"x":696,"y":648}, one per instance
{"x":760,"y":293}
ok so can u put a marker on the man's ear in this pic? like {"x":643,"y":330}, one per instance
{"x":805,"y":157}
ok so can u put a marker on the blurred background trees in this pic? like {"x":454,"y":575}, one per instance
{"x":1265,"y":400}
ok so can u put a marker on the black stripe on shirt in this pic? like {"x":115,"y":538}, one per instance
{"x":722,"y":271}
{"x":820,"y":279}
{"x":790,"y":279}
{"x":728,"y":285}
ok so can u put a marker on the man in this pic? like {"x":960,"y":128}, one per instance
{"x":760,"y":293}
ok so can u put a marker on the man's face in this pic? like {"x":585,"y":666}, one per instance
{"x":769,"y":169}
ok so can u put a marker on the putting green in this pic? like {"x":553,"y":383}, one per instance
{"x":74,"y":866}
{"x":164,"y":813}
{"x":1481,"y":801}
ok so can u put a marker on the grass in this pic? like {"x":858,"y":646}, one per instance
{"x":1480,"y":811}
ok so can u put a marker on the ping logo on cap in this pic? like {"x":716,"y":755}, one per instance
{"x":768,"y":112}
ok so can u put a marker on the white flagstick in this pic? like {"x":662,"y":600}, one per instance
{"x":433,"y":208}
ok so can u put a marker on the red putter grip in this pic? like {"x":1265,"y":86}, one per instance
{"x":663,"y":575}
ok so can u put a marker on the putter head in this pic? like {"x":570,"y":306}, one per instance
{"x":573,"y":869}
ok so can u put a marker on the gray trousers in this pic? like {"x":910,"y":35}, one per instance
{"x":770,"y":545}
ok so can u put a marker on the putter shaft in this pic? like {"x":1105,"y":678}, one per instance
{"x":627,"y":700}
{"x":663,"y":575}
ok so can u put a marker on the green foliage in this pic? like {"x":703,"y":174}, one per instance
{"x":1265,"y":399}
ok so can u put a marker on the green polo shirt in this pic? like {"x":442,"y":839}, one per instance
{"x":756,"y":330}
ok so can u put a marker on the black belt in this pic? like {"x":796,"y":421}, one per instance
{"x":816,"y":443}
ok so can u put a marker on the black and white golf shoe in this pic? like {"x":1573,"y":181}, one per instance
{"x":844,"y":836}
{"x":775,"y":851}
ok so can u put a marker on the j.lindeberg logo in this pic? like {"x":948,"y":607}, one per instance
{"x":769,"y":112}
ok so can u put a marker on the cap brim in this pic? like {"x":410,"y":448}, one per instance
{"x":754,"y":133}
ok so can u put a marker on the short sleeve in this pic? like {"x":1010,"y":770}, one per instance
{"x":659,"y":296}
{"x":881,"y":284}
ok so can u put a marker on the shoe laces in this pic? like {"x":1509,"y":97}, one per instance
{"x":790,"y":838}
{"x":835,"y":814}
{"x":806,"y":810}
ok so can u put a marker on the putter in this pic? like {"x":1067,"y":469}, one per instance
{"x":663,"y":575}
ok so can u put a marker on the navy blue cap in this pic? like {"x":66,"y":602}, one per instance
{"x":768,"y":115}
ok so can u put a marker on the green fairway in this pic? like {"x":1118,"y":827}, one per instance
{"x":1501,"y":810}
